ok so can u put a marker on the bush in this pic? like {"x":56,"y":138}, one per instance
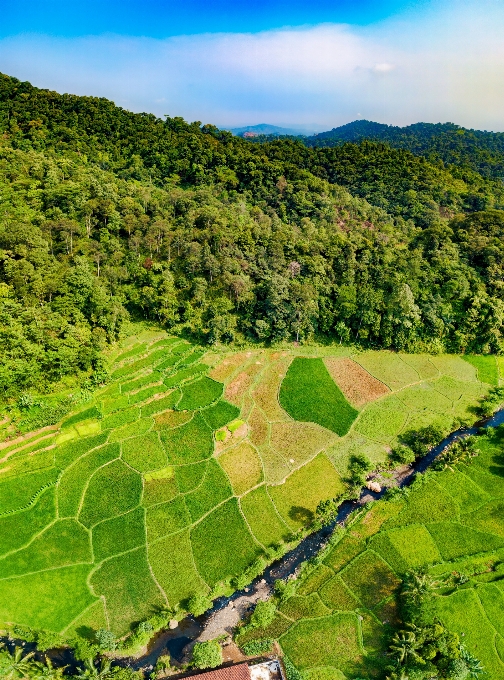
{"x":285,"y":589}
{"x":491,"y":402}
{"x":402,"y":455}
{"x":263,"y":615}
{"x":291,"y":671}
{"x":421,"y":441}
{"x":207,"y":654}
{"x":48,"y":640}
{"x":106,"y":640}
{"x":358,"y":467}
{"x":199,"y":604}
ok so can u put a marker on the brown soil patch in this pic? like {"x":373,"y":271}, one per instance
{"x":275,"y":465}
{"x":266,"y":394}
{"x":358,"y":386}
{"x":237,"y":388}
{"x":258,"y":427}
{"x":243,"y":467}
{"x":225,"y":368}
{"x":171,"y":419}
{"x":298,"y":442}
{"x":241,"y":432}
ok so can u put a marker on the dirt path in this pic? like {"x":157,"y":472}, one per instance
{"x":223,"y":621}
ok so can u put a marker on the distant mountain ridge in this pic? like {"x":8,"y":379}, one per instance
{"x":266,"y":129}
{"x":480,"y":150}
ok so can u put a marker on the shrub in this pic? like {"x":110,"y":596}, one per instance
{"x":491,"y":402}
{"x":199,"y":604}
{"x":421,"y":441}
{"x":358,"y":467}
{"x":263,"y":615}
{"x":106,"y":640}
{"x":291,"y":671}
{"x":402,"y":455}
{"x":207,"y":654}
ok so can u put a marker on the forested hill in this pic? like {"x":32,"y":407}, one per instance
{"x":480,"y":150}
{"x":107,"y":215}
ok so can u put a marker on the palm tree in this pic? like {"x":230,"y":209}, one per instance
{"x":14,"y":666}
{"x":399,"y":675}
{"x":403,"y":647}
{"x":45,"y":670}
{"x":93,"y":672}
{"x":472,"y":663}
{"x":419,"y":584}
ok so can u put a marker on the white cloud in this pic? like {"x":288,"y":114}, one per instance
{"x":446,"y":63}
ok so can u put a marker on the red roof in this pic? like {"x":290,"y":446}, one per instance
{"x":239,"y":671}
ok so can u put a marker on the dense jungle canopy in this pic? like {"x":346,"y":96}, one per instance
{"x":107,"y":215}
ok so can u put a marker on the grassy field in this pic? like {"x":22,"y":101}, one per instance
{"x":343,"y":608}
{"x":171,"y":480}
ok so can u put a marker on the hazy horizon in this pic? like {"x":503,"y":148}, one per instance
{"x":232,"y":65}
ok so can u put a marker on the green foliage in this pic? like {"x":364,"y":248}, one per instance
{"x":491,"y":402}
{"x":213,"y":490}
{"x":423,"y":440}
{"x":62,"y":543}
{"x":86,"y":255}
{"x":308,"y":393}
{"x":190,"y":476}
{"x":358,"y":466}
{"x":159,"y":405}
{"x":486,"y":367}
{"x":18,"y":493}
{"x":207,"y":654}
{"x":263,"y":614}
{"x":75,"y":478}
{"x":199,"y":604}
{"x":126,"y":602}
{"x":41,"y":598}
{"x":167,"y":518}
{"x":17,"y":529}
{"x":258,"y":647}
{"x":144,"y":453}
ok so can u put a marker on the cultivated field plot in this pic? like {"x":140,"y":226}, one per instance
{"x":189,"y":465}
{"x":344,"y":608}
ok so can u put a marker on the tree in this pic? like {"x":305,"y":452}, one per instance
{"x":45,"y":670}
{"x":358,"y":467}
{"x":93,"y":671}
{"x":263,"y":614}
{"x":207,"y":654}
{"x":16,"y":664}
{"x":199,"y":604}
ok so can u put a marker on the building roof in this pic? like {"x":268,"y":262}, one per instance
{"x":239,"y":671}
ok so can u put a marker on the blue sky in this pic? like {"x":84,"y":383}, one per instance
{"x":316,"y":63}
{"x":164,"y":18}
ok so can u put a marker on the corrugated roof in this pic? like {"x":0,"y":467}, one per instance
{"x":239,"y":671}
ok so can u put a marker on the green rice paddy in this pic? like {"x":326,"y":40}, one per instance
{"x":189,"y":465}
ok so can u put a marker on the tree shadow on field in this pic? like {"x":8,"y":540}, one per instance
{"x":300,"y":514}
{"x":86,"y":632}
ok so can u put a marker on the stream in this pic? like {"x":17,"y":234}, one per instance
{"x":229,"y":610}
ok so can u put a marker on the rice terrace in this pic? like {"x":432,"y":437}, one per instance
{"x":191,"y":469}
